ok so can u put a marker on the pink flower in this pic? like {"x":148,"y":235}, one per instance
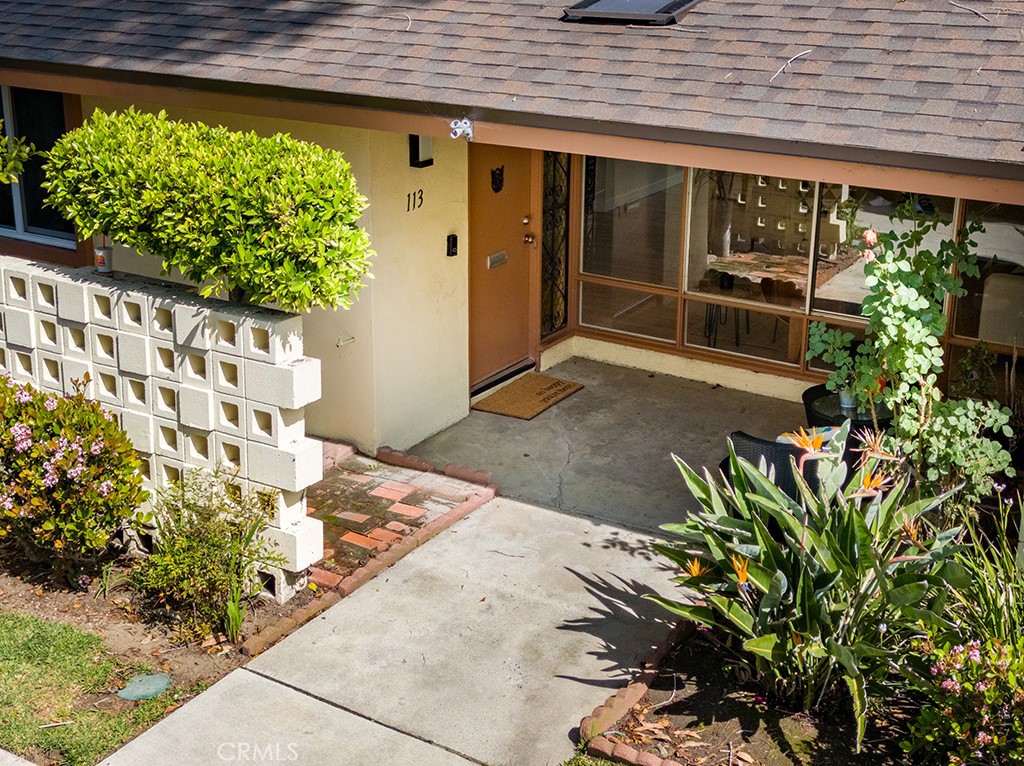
{"x":22,"y":437}
{"x":97,"y":447}
{"x":21,"y":396}
{"x":870,"y":238}
{"x":50,"y":404}
{"x":105,"y":488}
{"x":868,"y":255}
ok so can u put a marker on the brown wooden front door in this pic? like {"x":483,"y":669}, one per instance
{"x":499,"y":259}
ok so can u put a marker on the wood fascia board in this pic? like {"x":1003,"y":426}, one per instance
{"x":887,"y":173}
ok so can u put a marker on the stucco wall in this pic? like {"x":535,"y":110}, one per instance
{"x":395,"y":366}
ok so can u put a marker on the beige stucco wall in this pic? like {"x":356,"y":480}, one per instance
{"x":670,"y":364}
{"x":395,"y":366}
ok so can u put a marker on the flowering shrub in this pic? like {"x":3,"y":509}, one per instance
{"x":68,"y":478}
{"x":975,"y":713}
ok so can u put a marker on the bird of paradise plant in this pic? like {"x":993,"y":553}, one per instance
{"x":805,"y":583}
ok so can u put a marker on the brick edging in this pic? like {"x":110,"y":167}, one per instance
{"x":615,"y":708}
{"x":271,"y":635}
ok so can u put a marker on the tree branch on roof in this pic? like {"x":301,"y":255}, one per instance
{"x":976,"y":13}
{"x":804,"y":53}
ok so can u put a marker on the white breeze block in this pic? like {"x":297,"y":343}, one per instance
{"x":22,"y":365}
{"x":195,"y":367}
{"x":72,"y":301}
{"x":17,"y":285}
{"x":134,"y":354}
{"x":103,"y":345}
{"x":272,"y":425}
{"x":230,"y":453}
{"x":19,"y":328}
{"x":301,"y":543}
{"x":289,"y":507}
{"x":199,"y":448}
{"x":161,"y":320}
{"x":3,"y":332}
{"x":167,"y":441}
{"x":195,"y":408}
{"x":228,"y":374}
{"x":191,"y":327}
{"x":50,"y":376}
{"x":76,"y":340}
{"x":48,"y":334}
{"x":290,"y":384}
{"x":134,"y":311}
{"x":44,"y":294}
{"x":106,"y":385}
{"x":139,"y":427}
{"x":227,"y":331}
{"x":165,"y":360}
{"x":229,"y":415}
{"x":102,"y":302}
{"x":137,"y":393}
{"x":291,"y":468}
{"x":75,"y":370}
{"x":272,"y":338}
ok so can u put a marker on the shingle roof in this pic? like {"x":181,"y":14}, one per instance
{"x":925,"y":77}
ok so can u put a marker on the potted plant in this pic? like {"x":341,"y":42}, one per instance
{"x":838,"y":348}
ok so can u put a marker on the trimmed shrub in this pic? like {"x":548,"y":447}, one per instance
{"x":68,"y":476}
{"x":266,"y":220}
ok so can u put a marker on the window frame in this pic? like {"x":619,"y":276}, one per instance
{"x":20,"y":231}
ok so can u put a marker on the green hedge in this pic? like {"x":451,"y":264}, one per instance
{"x":267,"y":220}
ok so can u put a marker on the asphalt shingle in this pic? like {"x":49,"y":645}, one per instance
{"x":914,"y":76}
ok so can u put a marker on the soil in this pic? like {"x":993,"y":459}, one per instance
{"x":703,"y":710}
{"x":130,"y":633}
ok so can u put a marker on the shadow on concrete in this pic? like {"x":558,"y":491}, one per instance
{"x":619,"y":605}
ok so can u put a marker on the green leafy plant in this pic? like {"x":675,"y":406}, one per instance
{"x":208,"y":553}
{"x":988,"y":598}
{"x":823,"y":590}
{"x":948,"y":444}
{"x":14,"y":153}
{"x":975,"y":708}
{"x":266,"y":220}
{"x":68,"y":476}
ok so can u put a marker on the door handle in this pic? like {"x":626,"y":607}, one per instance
{"x":529,"y":239}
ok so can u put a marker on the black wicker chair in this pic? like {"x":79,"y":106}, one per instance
{"x":777,"y":455}
{"x":811,"y":395}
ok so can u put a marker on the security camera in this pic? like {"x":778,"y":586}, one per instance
{"x":463,"y":127}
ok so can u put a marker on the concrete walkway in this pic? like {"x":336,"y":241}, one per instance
{"x":485,"y":646}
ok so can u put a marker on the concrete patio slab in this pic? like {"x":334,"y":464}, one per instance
{"x":491,"y":641}
{"x":248,"y":719}
{"x":605,"y":451}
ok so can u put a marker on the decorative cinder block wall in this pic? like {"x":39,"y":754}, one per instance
{"x":194,"y":382}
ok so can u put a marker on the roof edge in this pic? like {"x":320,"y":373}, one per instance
{"x":996,"y":170}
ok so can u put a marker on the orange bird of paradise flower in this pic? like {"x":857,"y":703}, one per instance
{"x":739,"y":565}
{"x":872,"y":484}
{"x":697,"y":568}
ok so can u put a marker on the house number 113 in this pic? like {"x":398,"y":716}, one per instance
{"x":413,"y":200}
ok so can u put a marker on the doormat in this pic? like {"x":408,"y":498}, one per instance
{"x":528,"y":396}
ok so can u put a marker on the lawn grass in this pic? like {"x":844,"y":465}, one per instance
{"x":47,"y":671}
{"x":582,"y":759}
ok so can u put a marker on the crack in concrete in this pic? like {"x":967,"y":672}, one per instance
{"x":560,"y":496}
{"x":365,"y":717}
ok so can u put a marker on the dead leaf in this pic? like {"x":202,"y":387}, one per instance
{"x":742,"y":756}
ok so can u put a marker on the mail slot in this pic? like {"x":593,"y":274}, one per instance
{"x":497,"y":259}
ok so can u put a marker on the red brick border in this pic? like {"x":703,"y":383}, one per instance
{"x":615,"y":708}
{"x":271,"y":635}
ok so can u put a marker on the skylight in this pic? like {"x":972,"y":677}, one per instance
{"x":635,"y":11}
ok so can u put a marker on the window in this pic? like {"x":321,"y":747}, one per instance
{"x":38,"y":116}
{"x":993,"y":308}
{"x":845,"y":213}
{"x":633,"y":213}
{"x":737,"y":252}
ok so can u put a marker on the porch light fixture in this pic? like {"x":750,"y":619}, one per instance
{"x":421,"y":151}
{"x":462,"y":128}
